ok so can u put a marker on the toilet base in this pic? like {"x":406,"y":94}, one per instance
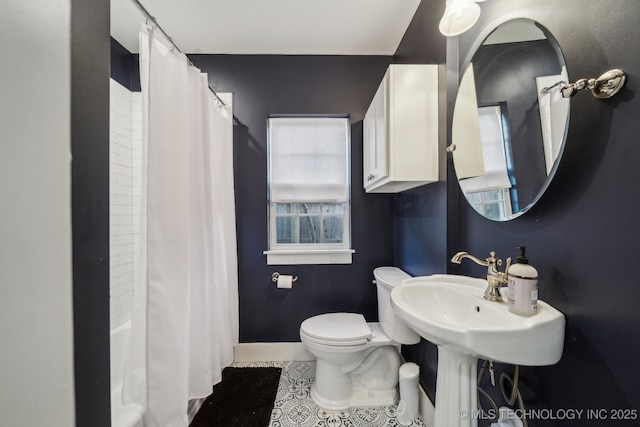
{"x":373,"y":381}
{"x":331,"y":405}
{"x":360,"y":397}
{"x":332,"y":388}
{"x":364,"y":397}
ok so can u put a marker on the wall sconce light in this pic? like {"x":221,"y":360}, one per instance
{"x":605,"y":86}
{"x":459,"y":16}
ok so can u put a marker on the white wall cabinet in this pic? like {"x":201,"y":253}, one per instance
{"x":401,"y":130}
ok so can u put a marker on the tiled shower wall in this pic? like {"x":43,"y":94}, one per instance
{"x":124,"y":191}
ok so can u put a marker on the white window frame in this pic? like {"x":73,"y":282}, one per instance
{"x":316,"y":253}
{"x":479,"y":201}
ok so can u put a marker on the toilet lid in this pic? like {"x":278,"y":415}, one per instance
{"x":338,"y":328}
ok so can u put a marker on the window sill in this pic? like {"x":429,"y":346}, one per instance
{"x":310,"y":256}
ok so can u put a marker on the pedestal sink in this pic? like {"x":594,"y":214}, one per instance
{"x":451,"y":312}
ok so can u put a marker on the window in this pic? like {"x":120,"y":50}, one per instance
{"x":494,"y":204}
{"x":494,"y":194}
{"x":309,"y":191}
{"x":494,"y":157}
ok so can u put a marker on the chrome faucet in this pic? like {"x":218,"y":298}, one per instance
{"x":495,"y":277}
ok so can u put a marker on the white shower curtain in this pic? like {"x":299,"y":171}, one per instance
{"x":185,"y":318}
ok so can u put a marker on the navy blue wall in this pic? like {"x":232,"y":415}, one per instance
{"x":582,"y":235}
{"x":89,"y":76}
{"x":125,"y":68}
{"x":264,"y":85}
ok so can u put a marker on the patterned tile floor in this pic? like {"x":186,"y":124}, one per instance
{"x":294,"y":407}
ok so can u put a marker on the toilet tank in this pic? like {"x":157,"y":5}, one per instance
{"x":386,"y":279}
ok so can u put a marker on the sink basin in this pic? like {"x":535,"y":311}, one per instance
{"x":450,"y":311}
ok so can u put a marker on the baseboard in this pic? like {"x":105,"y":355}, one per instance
{"x":271,"y":352}
{"x":427,"y":409}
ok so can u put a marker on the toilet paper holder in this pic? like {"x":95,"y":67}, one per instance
{"x":274,"y":277}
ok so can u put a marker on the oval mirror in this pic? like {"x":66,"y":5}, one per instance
{"x":510,"y":120}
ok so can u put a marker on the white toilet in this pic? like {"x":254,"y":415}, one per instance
{"x":358,"y":362}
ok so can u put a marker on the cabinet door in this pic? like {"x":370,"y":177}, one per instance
{"x":375,"y":161}
{"x":401,"y":130}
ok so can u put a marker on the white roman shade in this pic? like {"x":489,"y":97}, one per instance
{"x":309,"y":159}
{"x":496,"y":176}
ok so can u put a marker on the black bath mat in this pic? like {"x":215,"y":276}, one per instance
{"x":244,"y":398}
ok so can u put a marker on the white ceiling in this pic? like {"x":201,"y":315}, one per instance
{"x":301,"y":27}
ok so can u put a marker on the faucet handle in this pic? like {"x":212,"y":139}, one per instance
{"x":497,"y":261}
{"x":506,"y":269}
{"x":502,"y":275}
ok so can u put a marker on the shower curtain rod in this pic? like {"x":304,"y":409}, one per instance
{"x":146,"y":13}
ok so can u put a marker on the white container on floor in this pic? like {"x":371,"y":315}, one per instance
{"x":508,"y":418}
{"x":409,"y":395}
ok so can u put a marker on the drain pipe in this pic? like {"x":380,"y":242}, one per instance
{"x":515,"y":395}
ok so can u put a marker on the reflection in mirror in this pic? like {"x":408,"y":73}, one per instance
{"x":508,"y":127}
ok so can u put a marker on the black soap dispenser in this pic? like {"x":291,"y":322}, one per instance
{"x":523,"y":286}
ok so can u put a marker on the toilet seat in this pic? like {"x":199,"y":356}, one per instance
{"x":337,"y":329}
